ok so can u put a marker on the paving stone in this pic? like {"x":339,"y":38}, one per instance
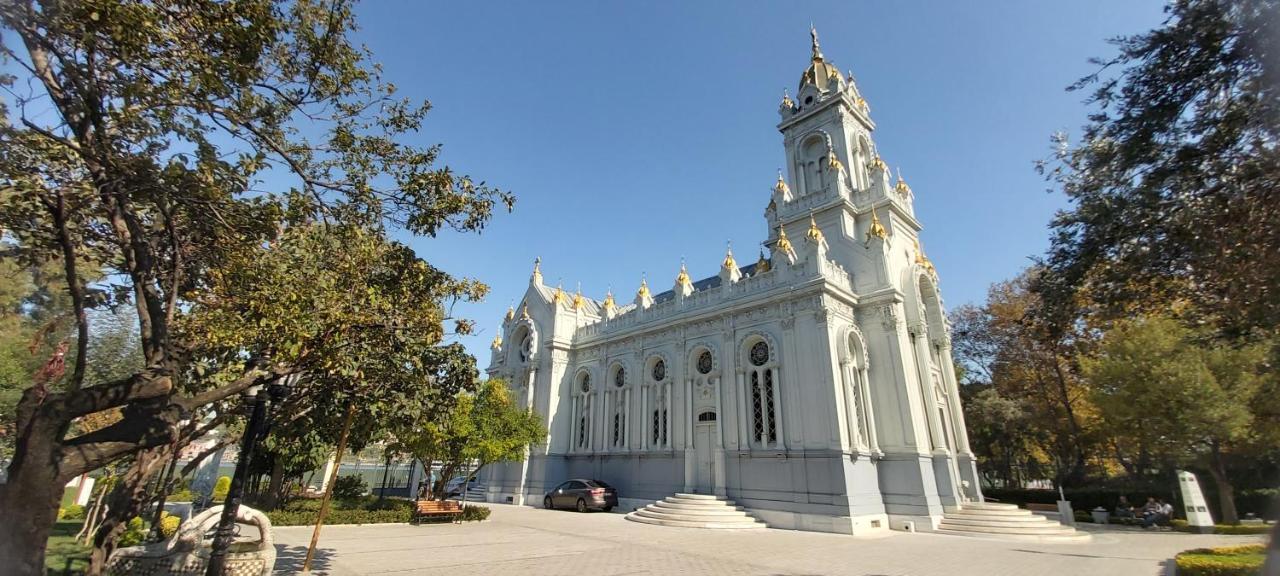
{"x":534,"y":542}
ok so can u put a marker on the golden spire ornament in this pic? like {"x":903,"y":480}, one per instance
{"x":729,"y":262}
{"x":877,"y":230}
{"x":497,"y":342}
{"x":524,"y":311}
{"x":643,"y":292}
{"x":762,"y":265}
{"x":814,"y":233}
{"x":923,"y":260}
{"x":537,"y":271}
{"x":578,"y":300}
{"x":781,"y":185}
{"x":783,"y":245}
{"x":511,"y":313}
{"x":559,"y":296}
{"x":682,"y":279}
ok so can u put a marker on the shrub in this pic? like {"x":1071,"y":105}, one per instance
{"x":221,"y":488}
{"x":1241,"y":529}
{"x":474,"y":513}
{"x":169,"y":524}
{"x":62,"y":513}
{"x":1228,"y":561}
{"x":352,"y":486}
{"x":183,"y":495}
{"x":134,"y":534}
{"x":73,"y":512}
{"x":339,"y":516}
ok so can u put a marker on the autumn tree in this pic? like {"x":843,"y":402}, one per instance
{"x":1031,"y":372}
{"x":136,"y":141}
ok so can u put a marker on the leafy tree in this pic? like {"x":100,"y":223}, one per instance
{"x":1185,"y":399}
{"x":134,"y":145}
{"x":485,"y":427}
{"x":1173,"y":186}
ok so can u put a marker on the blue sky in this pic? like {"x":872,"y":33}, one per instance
{"x":634,"y":134}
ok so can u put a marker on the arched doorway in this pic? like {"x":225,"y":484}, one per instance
{"x":704,"y":443}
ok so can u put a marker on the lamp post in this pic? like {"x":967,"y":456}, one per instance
{"x":257,"y":423}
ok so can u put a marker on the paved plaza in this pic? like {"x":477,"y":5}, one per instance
{"x":534,"y":542}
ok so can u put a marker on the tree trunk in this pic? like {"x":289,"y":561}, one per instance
{"x":328,"y":489}
{"x":271,"y":500}
{"x":125,"y":502}
{"x":1226,"y":492}
{"x":386,"y":472}
{"x":29,"y":499}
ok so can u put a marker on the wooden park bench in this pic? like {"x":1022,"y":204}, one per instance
{"x":436,"y":508}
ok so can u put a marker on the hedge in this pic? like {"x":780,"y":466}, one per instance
{"x":471,"y":513}
{"x":1261,"y":502}
{"x":1227,"y":561}
{"x":1228,"y":529}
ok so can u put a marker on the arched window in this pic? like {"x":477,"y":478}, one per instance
{"x":655,"y":397}
{"x":762,"y":396}
{"x":618,"y":409}
{"x":812,"y":156}
{"x":857,"y":395}
{"x":584,"y":411}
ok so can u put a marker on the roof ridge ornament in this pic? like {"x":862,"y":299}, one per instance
{"x":578,"y":300}
{"x":729,"y":262}
{"x":537,"y":271}
{"x":814,"y":233}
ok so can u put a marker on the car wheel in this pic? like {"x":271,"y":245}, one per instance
{"x":608,"y":508}
{"x":582,"y":505}
{"x":546,"y":503}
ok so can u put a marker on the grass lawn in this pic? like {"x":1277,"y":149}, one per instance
{"x":64,"y":555}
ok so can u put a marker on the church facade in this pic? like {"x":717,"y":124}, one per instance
{"x":813,"y":387}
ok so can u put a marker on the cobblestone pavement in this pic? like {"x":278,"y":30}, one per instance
{"x":533,"y":542}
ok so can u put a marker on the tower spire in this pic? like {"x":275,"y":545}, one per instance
{"x":817,"y":50}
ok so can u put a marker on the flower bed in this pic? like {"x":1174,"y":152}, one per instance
{"x":1227,"y":561}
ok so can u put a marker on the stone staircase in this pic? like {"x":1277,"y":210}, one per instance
{"x":1006,"y":521}
{"x":696,"y":511}
{"x":475,"y":493}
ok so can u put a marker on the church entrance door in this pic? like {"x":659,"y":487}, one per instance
{"x":703,"y":441}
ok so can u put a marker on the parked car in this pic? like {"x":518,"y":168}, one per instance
{"x":454,"y":486}
{"x":581,"y":495}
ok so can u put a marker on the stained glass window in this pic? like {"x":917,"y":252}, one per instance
{"x":620,"y":377}
{"x":704,"y":362}
{"x":759,"y":354}
{"x":659,"y":370}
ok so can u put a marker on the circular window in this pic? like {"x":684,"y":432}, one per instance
{"x":586,"y":383}
{"x":704,"y":362}
{"x":808,"y":99}
{"x":759,"y":354}
{"x":620,"y":377}
{"x":659,"y":370}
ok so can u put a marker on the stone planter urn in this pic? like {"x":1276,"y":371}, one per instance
{"x":1100,"y":515}
{"x":187,"y":553}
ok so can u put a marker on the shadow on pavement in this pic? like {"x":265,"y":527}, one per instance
{"x":289,"y":560}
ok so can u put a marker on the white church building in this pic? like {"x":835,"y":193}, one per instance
{"x":814,"y":387}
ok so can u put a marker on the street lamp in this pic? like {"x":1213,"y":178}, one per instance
{"x":257,"y":407}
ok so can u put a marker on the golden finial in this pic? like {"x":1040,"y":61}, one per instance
{"x":682,"y":279}
{"x":787,"y":102}
{"x":729,"y":262}
{"x":902,"y":187}
{"x":537,"y":270}
{"x":578,"y":300}
{"x":814,"y":232}
{"x":524,"y":311}
{"x":762,"y":265}
{"x":558,"y":297}
{"x":817,"y":50}
{"x":783,"y":245}
{"x":862,"y":103}
{"x":497,"y":342}
{"x":781,"y":185}
{"x":921,"y":259}
{"x":832,"y":161}
{"x":643,"y":292}
{"x":609,"y":304}
{"x":511,"y":313}
{"x":878,"y":162}
{"x":877,"y":230}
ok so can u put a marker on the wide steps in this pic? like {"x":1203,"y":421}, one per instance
{"x":696,"y":511}
{"x":1006,"y":521}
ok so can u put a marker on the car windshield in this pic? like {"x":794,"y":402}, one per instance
{"x":599,"y":483}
